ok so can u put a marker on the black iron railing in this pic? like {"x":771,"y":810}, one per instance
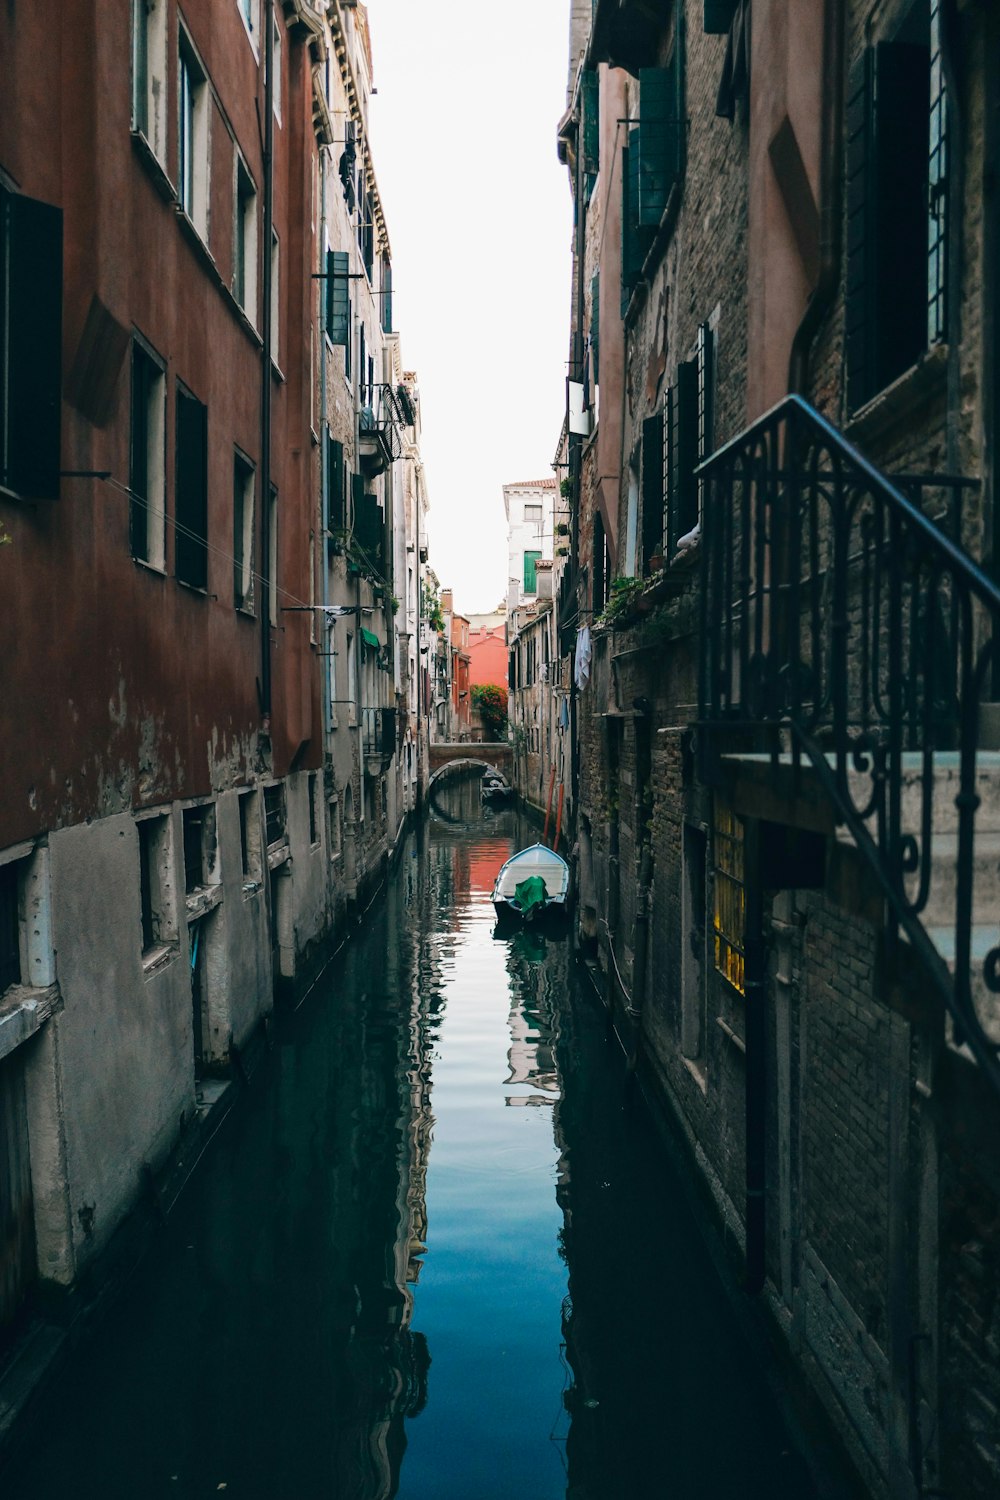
{"x":378,"y":730}
{"x":842,"y":624}
{"x":380,"y":416}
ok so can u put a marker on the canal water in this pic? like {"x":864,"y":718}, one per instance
{"x":433,"y":1252}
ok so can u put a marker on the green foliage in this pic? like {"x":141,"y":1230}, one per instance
{"x":624,"y":592}
{"x":566,"y":488}
{"x":432,"y":607}
{"x":491,"y":701}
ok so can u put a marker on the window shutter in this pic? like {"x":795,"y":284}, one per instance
{"x":858,"y":311}
{"x":334,"y":485}
{"x":368,"y":523}
{"x":937,"y":257}
{"x":634,"y":243}
{"x":902,"y":121}
{"x":337,"y":296}
{"x":30,"y":346}
{"x":652,"y":487}
{"x":595,"y":321}
{"x":191,"y":500}
{"x":530,"y":575}
{"x":683,"y":449}
{"x":386,"y":295}
{"x":657,"y":166}
{"x":719,"y":16}
{"x":590,"y":101}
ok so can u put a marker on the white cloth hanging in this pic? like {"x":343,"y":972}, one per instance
{"x":581,"y":664}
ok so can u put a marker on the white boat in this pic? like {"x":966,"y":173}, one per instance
{"x":548,"y":873}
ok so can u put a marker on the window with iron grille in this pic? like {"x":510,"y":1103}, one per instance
{"x":729,"y":919}
{"x":274,"y":814}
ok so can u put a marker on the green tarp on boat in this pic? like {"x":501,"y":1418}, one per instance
{"x":530,"y":894}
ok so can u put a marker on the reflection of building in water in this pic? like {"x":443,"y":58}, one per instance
{"x":536,"y":991}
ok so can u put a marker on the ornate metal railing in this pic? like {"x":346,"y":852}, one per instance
{"x":380,"y":416}
{"x":840,"y":624}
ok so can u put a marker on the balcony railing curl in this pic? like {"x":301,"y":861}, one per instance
{"x":840,"y":623}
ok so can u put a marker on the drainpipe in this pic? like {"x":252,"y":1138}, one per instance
{"x":265,"y":386}
{"x":755,"y":987}
{"x":640,"y":952}
{"x":831,"y":195}
{"x":324,"y":460}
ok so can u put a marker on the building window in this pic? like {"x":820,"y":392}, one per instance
{"x":10,"y":925}
{"x":249,"y":835}
{"x":530,"y":577}
{"x":198,"y":845}
{"x":30,"y":346}
{"x":248,"y":10}
{"x":191,"y":491}
{"x":275,"y":299}
{"x":272,"y":580}
{"x":276,"y":43}
{"x":313,"y":810}
{"x":245,"y":242}
{"x":693,"y":957}
{"x":897,"y":190}
{"x":600,"y":566}
{"x":335,"y":829}
{"x":155,"y":884}
{"x":274,"y":814}
{"x":243,"y":494}
{"x":149,"y":74}
{"x":193,"y":127}
{"x":729,"y":922}
{"x":147,"y":458}
{"x":533,"y":514}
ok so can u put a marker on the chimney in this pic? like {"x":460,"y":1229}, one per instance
{"x":543,"y":578}
{"x":446,"y":595}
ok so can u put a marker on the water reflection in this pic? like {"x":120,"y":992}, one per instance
{"x":429,"y":1255}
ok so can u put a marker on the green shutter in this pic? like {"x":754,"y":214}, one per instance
{"x":595,"y":321}
{"x":635,"y":241}
{"x":368,"y":524}
{"x":652,"y":487}
{"x":530,"y":576}
{"x":335,"y":519}
{"x":337,"y":296}
{"x":591,"y":109}
{"x":31,"y":273}
{"x":657,"y":158}
{"x":858,"y":310}
{"x":719,"y":16}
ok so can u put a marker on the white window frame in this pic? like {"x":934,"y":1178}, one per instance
{"x":250,"y":16}
{"x":245,"y":239}
{"x":149,"y":62}
{"x":244,"y":504}
{"x":194,"y":99}
{"x":156,"y":459}
{"x":275,"y":309}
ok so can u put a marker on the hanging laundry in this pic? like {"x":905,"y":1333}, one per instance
{"x":581,"y":664}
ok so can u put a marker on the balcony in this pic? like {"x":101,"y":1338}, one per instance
{"x":379,"y":422}
{"x":378,"y":739}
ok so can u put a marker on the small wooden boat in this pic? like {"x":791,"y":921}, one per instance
{"x":532,"y":882}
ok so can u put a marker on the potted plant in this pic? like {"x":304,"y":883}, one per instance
{"x":566,"y":488}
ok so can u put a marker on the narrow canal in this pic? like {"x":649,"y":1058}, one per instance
{"x":431,"y":1253}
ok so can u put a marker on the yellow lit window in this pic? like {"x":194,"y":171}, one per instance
{"x":730,"y":896}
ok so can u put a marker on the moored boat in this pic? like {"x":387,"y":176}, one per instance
{"x":532,"y":882}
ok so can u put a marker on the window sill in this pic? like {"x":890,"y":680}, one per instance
{"x":731,"y":1035}
{"x":199,"y":244}
{"x":158,"y":958}
{"x":23,"y":1012}
{"x":158,"y":570}
{"x":203,"y":899}
{"x":240,"y":313}
{"x":277,"y":373}
{"x":154,"y":167}
{"x":697,"y":1071}
{"x":251,"y":888}
{"x":277,"y":855}
{"x":902,"y":400}
{"x":192,"y":588}
{"x":246,"y":614}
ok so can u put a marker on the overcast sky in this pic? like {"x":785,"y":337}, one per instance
{"x":478,"y":210}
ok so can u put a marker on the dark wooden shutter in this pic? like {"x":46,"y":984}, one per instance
{"x":683,"y":451}
{"x":719,"y":16}
{"x":634,"y":242}
{"x":595,"y":322}
{"x":386,"y":295}
{"x":902,"y":119}
{"x":369,"y":525}
{"x":191,"y":492}
{"x":859,"y":311}
{"x":335,"y":485}
{"x":937,"y":249}
{"x":30,"y":345}
{"x":657,"y":166}
{"x":590,"y":103}
{"x":337,"y":296}
{"x":139,"y":456}
{"x":652,"y":488}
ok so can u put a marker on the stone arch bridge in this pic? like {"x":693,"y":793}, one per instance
{"x":445,"y":759}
